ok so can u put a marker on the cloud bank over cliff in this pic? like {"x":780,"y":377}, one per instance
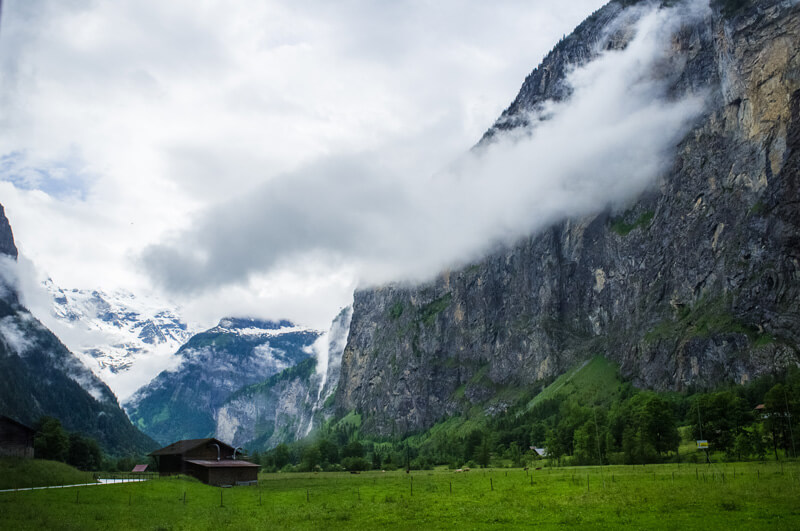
{"x":128,"y":120}
{"x":364,"y":216}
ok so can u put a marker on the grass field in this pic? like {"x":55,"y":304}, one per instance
{"x":743,"y":495}
{"x":20,"y":473}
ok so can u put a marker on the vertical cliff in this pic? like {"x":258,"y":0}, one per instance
{"x":286,"y":406}
{"x":694,"y":283}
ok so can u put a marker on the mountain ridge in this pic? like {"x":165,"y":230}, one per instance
{"x":43,"y":378}
{"x":113,"y":331}
{"x":184,"y":402}
{"x":693,"y":284}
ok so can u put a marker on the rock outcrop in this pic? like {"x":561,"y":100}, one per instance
{"x":695,"y":284}
{"x":7,"y":246}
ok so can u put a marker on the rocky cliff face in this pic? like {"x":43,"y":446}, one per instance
{"x":696,"y":283}
{"x":184,"y":403}
{"x":42,"y":377}
{"x":289,"y":404}
{"x":271,"y":412}
{"x":7,"y":246}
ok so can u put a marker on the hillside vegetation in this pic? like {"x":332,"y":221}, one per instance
{"x":586,"y":416}
{"x":17,"y":473}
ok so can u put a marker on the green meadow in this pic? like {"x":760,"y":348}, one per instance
{"x":669,"y":496}
{"x":20,"y":473}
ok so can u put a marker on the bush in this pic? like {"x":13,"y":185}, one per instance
{"x":615,"y":458}
{"x":356,"y":463}
{"x":421,"y":463}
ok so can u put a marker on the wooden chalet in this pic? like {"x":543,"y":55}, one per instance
{"x":16,"y":439}
{"x":209,"y":460}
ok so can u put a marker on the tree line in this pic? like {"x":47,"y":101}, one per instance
{"x":753,"y":421}
{"x":53,"y":442}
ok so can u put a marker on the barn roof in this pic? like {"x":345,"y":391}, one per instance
{"x":181,"y":447}
{"x":3,"y":418}
{"x":139,"y":468}
{"x":222,"y":463}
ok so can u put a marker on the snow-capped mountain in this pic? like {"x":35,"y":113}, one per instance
{"x":114,"y":331}
{"x":41,"y":377}
{"x":182,"y":403}
{"x":288,"y":405}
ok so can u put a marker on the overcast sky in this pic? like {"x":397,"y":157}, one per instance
{"x":128,"y":124}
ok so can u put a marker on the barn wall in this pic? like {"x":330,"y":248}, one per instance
{"x":171,"y":464}
{"x":15,"y":450}
{"x":15,"y":440}
{"x":231,"y":476}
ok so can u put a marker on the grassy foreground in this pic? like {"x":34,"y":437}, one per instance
{"x":760,"y":496}
{"x":17,"y":473}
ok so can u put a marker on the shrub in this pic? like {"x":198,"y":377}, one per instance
{"x":355,"y":463}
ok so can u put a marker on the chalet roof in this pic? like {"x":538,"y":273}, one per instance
{"x":181,"y":447}
{"x":9,"y":420}
{"x":222,"y":463}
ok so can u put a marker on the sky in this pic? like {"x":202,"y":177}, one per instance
{"x":266,"y":158}
{"x":135,"y":131}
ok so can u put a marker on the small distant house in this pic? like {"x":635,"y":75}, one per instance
{"x":16,"y":439}
{"x":139,"y":469}
{"x":541,"y":452}
{"x":209,"y":460}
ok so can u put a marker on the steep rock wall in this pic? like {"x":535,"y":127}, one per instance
{"x":696,"y":283}
{"x":286,"y":406}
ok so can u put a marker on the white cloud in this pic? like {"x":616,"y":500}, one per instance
{"x":124,"y":119}
{"x":605,"y":145}
{"x":13,"y":336}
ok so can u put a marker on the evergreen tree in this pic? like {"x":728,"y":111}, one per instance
{"x":51,"y":441}
{"x":84,"y":453}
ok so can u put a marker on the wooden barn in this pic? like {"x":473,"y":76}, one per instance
{"x":209,"y":460}
{"x":16,"y":439}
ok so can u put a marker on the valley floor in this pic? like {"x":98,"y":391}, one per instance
{"x":741,"y":495}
